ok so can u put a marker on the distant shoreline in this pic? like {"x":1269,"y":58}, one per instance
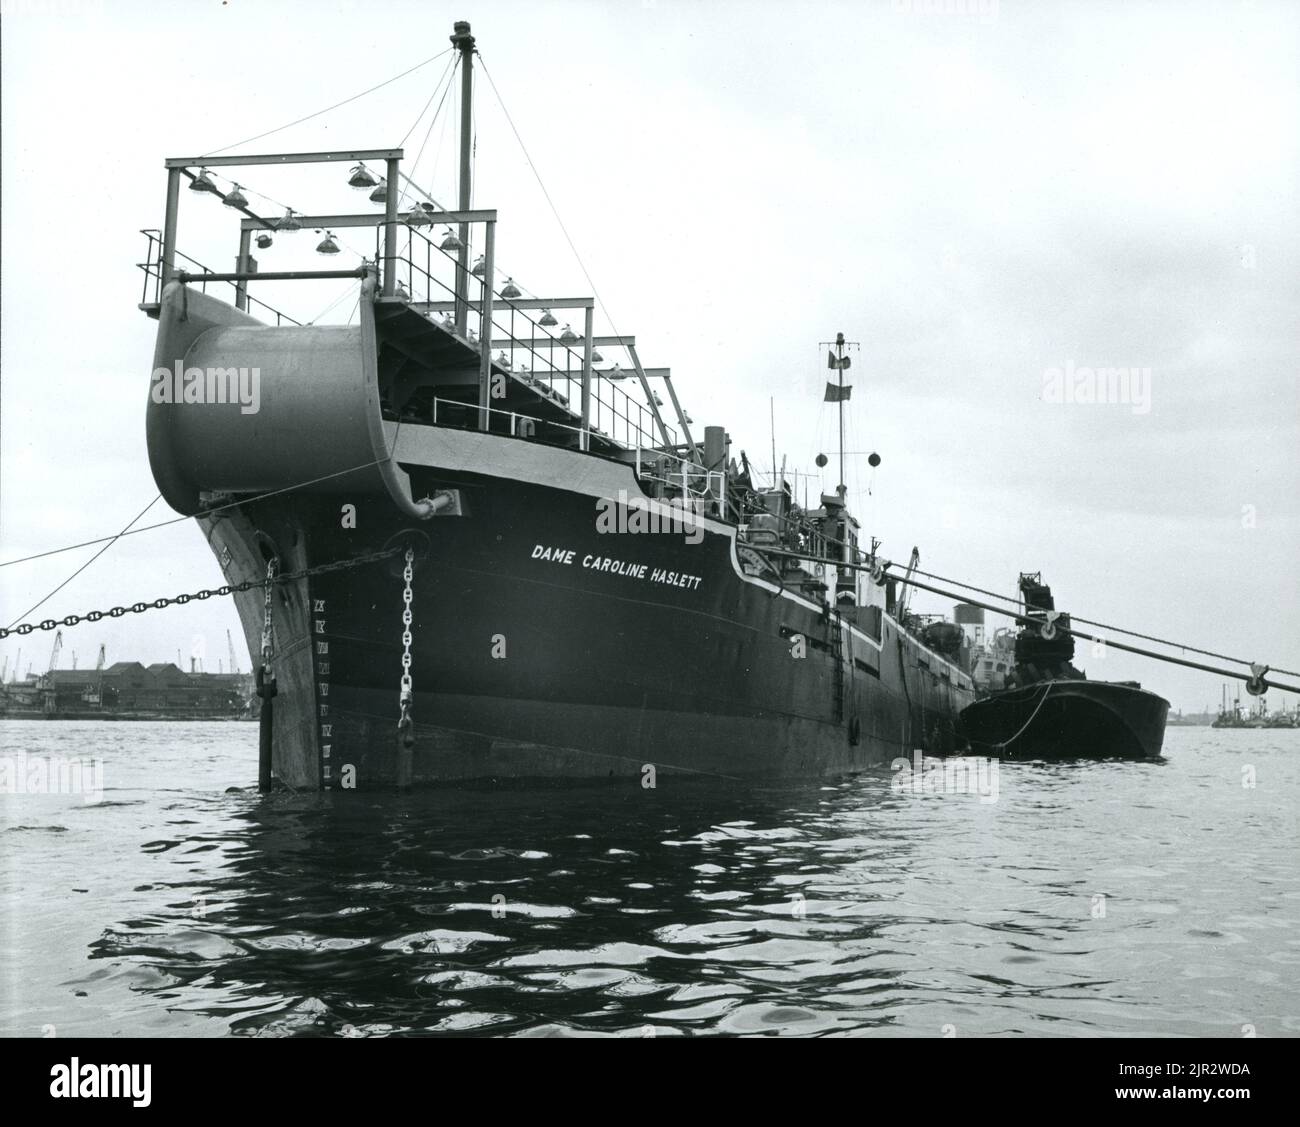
{"x":31,"y":714}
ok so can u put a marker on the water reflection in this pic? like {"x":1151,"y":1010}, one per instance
{"x":1090,"y":898}
{"x":598,"y":909}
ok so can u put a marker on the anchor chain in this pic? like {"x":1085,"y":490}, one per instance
{"x":405,"y":725}
{"x":268,"y":638}
{"x":266,"y":686}
{"x":205,"y":593}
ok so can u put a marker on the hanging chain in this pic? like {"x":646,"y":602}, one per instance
{"x":266,"y":686}
{"x":268,"y":641}
{"x":406,"y":692}
{"x":181,"y":600}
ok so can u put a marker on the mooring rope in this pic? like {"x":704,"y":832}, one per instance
{"x":205,"y":513}
{"x":105,"y":548}
{"x":1105,"y":625}
{"x":830,"y":540}
{"x":1041,"y":701}
{"x":1252,"y":676}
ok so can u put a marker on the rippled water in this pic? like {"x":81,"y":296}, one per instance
{"x":173,"y":907}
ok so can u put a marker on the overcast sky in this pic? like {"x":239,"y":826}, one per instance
{"x":977,"y":194}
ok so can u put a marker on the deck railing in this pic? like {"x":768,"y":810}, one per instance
{"x":615,"y":414}
{"x":151,"y":292}
{"x":677,"y":477}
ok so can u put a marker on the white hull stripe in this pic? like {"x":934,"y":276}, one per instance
{"x":517,"y":459}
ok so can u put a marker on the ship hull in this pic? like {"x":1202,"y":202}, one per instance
{"x":1068,"y":720}
{"x":642,"y":656}
{"x":546,"y":642}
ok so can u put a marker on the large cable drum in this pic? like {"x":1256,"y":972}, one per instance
{"x":240,"y":407}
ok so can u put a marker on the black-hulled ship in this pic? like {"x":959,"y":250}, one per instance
{"x":1038,"y":705}
{"x":589,"y":591}
{"x":1231,"y":715}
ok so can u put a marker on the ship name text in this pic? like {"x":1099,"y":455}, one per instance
{"x":569,"y":556}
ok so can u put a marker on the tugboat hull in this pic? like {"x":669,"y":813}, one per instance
{"x":1068,"y":719}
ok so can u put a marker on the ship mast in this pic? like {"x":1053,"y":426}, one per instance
{"x":839,"y":351}
{"x":463,"y":41}
{"x":839,"y":360}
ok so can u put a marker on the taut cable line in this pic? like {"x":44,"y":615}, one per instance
{"x":1021,"y":617}
{"x":327,"y":109}
{"x":1106,"y":625}
{"x":204,"y":513}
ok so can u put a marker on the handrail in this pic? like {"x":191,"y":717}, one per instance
{"x":696,"y":472}
{"x":606,"y":409}
{"x":689,"y":472}
{"x":152,"y":268}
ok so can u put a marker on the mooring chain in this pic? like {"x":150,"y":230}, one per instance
{"x":267,"y":689}
{"x":405,"y":725}
{"x":205,"y":593}
{"x":268,"y":639}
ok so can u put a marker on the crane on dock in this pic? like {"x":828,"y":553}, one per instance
{"x":55,"y":650}
{"x":96,"y":695}
{"x":230,"y":645}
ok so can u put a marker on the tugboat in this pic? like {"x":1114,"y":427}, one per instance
{"x":464,"y":553}
{"x":1045,"y":708}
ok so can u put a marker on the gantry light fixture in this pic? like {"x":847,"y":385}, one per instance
{"x":235,"y":197}
{"x":327,"y":245}
{"x":263,"y":241}
{"x":568,"y":336}
{"x":510,"y":290}
{"x":596,"y":357}
{"x":547,"y":318}
{"x":289,"y":221}
{"x":380,"y":194}
{"x":362,"y":177}
{"x":451,"y":242}
{"x":203,"y":182}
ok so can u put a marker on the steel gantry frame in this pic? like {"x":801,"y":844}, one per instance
{"x":245,"y":271}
